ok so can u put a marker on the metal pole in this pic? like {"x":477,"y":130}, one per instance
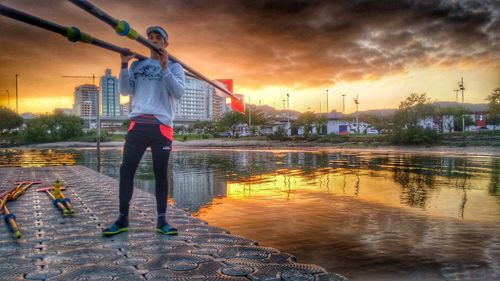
{"x":343,"y":103}
{"x":98,"y":121}
{"x":17,"y":96}
{"x":462,"y":88}
{"x":8,"y":98}
{"x":326,"y":102}
{"x":249,"y":116}
{"x":357,"y":114}
{"x":288,"y":129}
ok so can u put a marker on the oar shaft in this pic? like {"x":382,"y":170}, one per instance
{"x":29,"y":19}
{"x":21,"y":190}
{"x":114,"y":48}
{"x":100,"y":14}
{"x":72,"y":33}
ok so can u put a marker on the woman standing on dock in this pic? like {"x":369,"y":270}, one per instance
{"x":155,"y":85}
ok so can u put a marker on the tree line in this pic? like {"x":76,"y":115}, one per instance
{"x":403,"y":127}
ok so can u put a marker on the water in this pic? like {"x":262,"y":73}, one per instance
{"x":363,"y":215}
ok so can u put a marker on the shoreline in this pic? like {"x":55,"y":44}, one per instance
{"x":270,"y":145}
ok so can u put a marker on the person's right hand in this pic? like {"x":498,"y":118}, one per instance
{"x":126,"y":58}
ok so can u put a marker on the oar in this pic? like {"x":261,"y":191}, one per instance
{"x":23,"y":189}
{"x":10,"y":219}
{"x":72,"y":33}
{"x":3,"y":199}
{"x":7,"y":196}
{"x":123,"y":28}
{"x":57,"y":202}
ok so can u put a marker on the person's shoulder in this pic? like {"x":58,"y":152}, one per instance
{"x":134,"y":64}
{"x":174,"y":66}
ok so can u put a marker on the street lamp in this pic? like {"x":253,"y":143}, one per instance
{"x":327,"y":102}
{"x":288,"y":115}
{"x":343,"y":103}
{"x":356,"y":100}
{"x":462,"y":88}
{"x":17,"y":96}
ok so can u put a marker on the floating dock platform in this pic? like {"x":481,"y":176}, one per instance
{"x":57,"y":247}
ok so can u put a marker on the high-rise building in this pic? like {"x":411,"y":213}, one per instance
{"x":109,"y":94}
{"x":219,"y":99}
{"x":125,"y":108}
{"x":85,"y":100}
{"x":85,"y":103}
{"x":196,"y":103}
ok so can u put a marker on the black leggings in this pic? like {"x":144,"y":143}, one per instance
{"x":138,"y":138}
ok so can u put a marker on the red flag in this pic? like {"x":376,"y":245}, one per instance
{"x":228,"y":83}
{"x":238,"y":104}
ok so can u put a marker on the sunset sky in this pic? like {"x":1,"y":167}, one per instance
{"x":380,"y":50}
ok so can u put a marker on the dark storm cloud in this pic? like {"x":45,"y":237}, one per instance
{"x":314,"y":41}
{"x":271,"y":42}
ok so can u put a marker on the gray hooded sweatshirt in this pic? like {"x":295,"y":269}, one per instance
{"x":154,"y":91}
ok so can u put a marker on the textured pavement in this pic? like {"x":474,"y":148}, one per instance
{"x":57,"y":247}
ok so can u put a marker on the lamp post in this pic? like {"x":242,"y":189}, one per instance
{"x":356,"y":100}
{"x":327,"y":102}
{"x":462,"y":88}
{"x":288,"y":129}
{"x":249,"y":116}
{"x":343,"y":103}
{"x":17,"y":96}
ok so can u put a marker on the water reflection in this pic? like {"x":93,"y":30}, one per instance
{"x":400,"y":180}
{"x":365,"y":215}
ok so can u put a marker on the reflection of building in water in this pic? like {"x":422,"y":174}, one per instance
{"x":193,"y":189}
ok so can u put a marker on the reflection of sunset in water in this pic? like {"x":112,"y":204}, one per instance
{"x":368,"y":216}
{"x":444,"y":197}
{"x":36,"y":158}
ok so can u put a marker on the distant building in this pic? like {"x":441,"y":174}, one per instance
{"x":336,"y":124}
{"x":28,"y":115}
{"x":220,"y":105}
{"x":125,"y":108}
{"x":65,"y":111}
{"x":109,"y":93}
{"x":219,"y":100}
{"x":196,"y":104}
{"x":85,"y":103}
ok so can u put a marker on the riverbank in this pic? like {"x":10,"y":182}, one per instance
{"x":241,"y":144}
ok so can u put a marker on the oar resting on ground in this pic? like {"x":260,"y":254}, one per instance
{"x":10,"y":219}
{"x":59,"y":203}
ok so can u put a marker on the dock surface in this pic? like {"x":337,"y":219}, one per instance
{"x":57,"y":247}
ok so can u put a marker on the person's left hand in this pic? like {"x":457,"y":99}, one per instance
{"x":163,"y":58}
